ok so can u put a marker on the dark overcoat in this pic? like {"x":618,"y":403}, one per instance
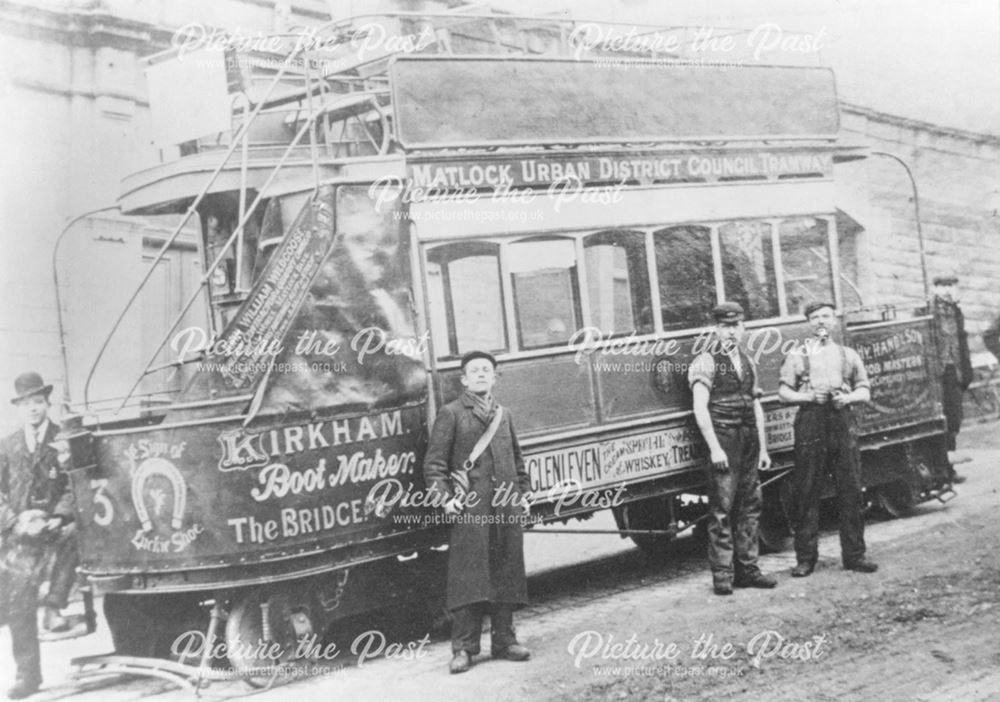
{"x":27,"y":481}
{"x":485,"y":552}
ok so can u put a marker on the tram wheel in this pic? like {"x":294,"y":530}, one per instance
{"x":653,"y":514}
{"x":774,"y":533}
{"x":896,"y":498}
{"x":263,"y":633}
{"x":149,"y":626}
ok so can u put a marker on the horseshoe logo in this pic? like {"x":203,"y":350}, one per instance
{"x":166,"y":469}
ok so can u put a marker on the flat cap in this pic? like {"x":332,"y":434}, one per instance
{"x":817,"y":305}
{"x":473,"y":355}
{"x":947,"y":279}
{"x":728,"y":312}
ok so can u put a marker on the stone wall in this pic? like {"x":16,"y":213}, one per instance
{"x":958,"y":182}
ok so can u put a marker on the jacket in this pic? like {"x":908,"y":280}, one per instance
{"x":486,"y":552}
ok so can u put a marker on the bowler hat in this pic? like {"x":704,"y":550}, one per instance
{"x":817,"y":305}
{"x":946,"y":279}
{"x":728,"y":312}
{"x":28,"y":384}
{"x":473,"y":355}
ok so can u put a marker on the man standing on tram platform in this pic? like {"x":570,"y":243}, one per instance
{"x":953,"y":355}
{"x":474,"y":462}
{"x":727,"y":409}
{"x":825,"y":378}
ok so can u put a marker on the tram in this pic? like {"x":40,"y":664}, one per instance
{"x":367,"y":218}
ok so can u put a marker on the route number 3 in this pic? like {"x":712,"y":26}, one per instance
{"x":104,"y":510}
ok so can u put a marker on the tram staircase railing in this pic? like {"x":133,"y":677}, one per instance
{"x":239,"y":140}
{"x":334,"y":94}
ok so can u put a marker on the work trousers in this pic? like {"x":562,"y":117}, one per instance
{"x":951,"y":398}
{"x":19,"y":582}
{"x":734,"y":504}
{"x":64,"y":557}
{"x":826,"y":444}
{"x":24,"y":643}
{"x":467,"y":627}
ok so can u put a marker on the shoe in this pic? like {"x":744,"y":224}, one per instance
{"x":957,"y":479}
{"x":53,"y":621}
{"x":722,"y":587}
{"x":862,"y":566}
{"x":460,"y":663}
{"x":757,"y":579}
{"x":23,"y":688}
{"x":514,"y":652}
{"x":803,"y":570}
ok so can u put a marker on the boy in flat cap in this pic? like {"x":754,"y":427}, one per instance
{"x":953,"y":355}
{"x":474,"y":462}
{"x":727,"y":409}
{"x":824,"y":379}
{"x":35,"y":505}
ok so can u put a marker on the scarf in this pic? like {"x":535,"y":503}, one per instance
{"x":484,"y":406}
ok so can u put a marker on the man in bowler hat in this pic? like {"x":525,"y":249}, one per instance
{"x":727,"y":409}
{"x":35,"y":506}
{"x":825,"y":379}
{"x":488,"y":504}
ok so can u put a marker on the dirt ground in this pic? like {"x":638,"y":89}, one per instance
{"x":925,"y":627}
{"x":929,"y":620}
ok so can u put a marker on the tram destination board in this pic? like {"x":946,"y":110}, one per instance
{"x":575,"y":102}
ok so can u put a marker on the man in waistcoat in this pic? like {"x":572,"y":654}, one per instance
{"x":825,"y":379}
{"x":953,"y":355}
{"x":488,"y":503}
{"x":35,"y":506}
{"x":727,"y":410}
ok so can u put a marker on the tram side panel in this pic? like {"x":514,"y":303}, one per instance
{"x":614,"y":426}
{"x":280,"y":486}
{"x":218,"y":500}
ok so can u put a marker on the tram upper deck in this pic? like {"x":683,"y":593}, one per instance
{"x":377,"y":90}
{"x":439,"y":134}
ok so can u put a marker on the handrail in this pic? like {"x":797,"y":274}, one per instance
{"x":237,"y":137}
{"x":916,"y":213}
{"x":237,"y":231}
{"x":55,"y":283}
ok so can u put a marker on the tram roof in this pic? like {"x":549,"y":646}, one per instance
{"x":463,"y":83}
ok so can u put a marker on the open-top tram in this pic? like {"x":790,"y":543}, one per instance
{"x":487,"y":187}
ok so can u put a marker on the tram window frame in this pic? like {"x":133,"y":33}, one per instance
{"x":702,"y":233}
{"x":443,"y":256}
{"x":638,"y":286}
{"x":770,"y":291}
{"x":572,"y":283}
{"x":656,"y":275}
{"x":821,"y":227}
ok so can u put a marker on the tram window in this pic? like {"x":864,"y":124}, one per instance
{"x":686,"y":276}
{"x":618,"y":282}
{"x":463,"y":290}
{"x":805,"y":262}
{"x":543,"y":277}
{"x":748,"y":267}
